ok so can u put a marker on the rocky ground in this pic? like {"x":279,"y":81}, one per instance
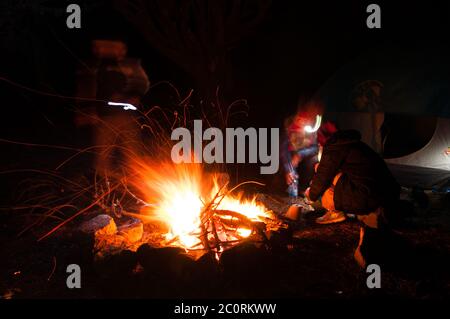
{"x":306,"y":261}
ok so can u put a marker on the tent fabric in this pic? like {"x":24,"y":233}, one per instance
{"x":434,"y":154}
{"x":396,"y":81}
{"x":423,"y":177}
{"x":425,"y":168}
{"x":393,"y":81}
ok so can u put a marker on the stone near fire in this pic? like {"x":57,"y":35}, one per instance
{"x":132,"y":230}
{"x":101,"y":225}
{"x":111,"y":238}
{"x":292,"y":212}
{"x":103,"y":229}
{"x":207,"y":273}
{"x":246,"y":260}
{"x":166,"y":261}
{"x":115,"y":265}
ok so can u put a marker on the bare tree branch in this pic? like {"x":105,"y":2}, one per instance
{"x":197,"y":35}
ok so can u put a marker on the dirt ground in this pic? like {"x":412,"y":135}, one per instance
{"x":308,"y":261}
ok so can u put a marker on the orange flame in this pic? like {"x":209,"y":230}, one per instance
{"x":177,"y":195}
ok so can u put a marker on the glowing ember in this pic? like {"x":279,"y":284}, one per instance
{"x":192,"y":205}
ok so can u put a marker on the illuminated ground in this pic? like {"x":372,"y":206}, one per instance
{"x":319,"y":264}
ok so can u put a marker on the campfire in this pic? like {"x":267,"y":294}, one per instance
{"x":198,"y":211}
{"x":191,"y":206}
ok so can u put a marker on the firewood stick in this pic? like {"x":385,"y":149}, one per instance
{"x":216,"y":236}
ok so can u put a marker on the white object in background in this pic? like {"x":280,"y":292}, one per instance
{"x":126,"y":106}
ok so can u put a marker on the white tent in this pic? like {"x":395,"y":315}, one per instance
{"x":397,"y":82}
{"x":428,"y":166}
{"x":434,"y":154}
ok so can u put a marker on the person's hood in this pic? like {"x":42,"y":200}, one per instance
{"x":344,"y":137}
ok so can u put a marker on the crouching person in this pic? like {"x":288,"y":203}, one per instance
{"x":353,"y":179}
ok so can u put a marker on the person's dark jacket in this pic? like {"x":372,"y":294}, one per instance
{"x":366,"y":182}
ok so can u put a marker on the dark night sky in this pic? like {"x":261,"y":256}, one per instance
{"x":294,"y":51}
